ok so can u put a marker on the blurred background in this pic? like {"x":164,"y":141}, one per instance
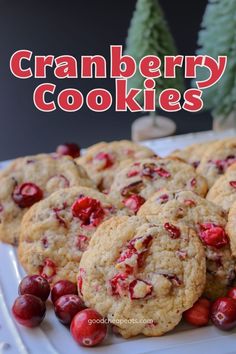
{"x":77,"y":28}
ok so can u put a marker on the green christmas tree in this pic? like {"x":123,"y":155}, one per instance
{"x":218,"y":37}
{"x":149,"y":35}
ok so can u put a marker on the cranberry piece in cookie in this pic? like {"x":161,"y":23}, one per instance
{"x":88,"y":210}
{"x":139,"y":289}
{"x":70,"y":149}
{"x":232,"y":184}
{"x":213,"y":235}
{"x":48,"y":269}
{"x":27,"y":194}
{"x":134,"y":202}
{"x":119,"y":284}
{"x":103,"y":161}
{"x":173,"y":230}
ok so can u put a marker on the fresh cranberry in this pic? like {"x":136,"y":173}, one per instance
{"x":232,"y":184}
{"x":105,"y":159}
{"x":213,"y":235}
{"x":119,"y":284}
{"x":132,"y":188}
{"x":199,"y":314}
{"x":232,"y":293}
{"x":223,"y":313}
{"x":35,"y":285}
{"x":70,"y":149}
{"x":139,"y":289}
{"x":88,"y":210}
{"x":132,"y":173}
{"x":63,"y":287}
{"x":134,"y":202}
{"x":48,"y":269}
{"x":87,"y":328}
{"x":67,"y":306}
{"x":82,"y":242}
{"x":172,"y":230}
{"x":27,"y":194}
{"x":29,"y":310}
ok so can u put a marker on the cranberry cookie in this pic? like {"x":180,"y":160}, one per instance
{"x":217,"y":158}
{"x":102,"y":160}
{"x":56,"y":231}
{"x":30,"y":179}
{"x":134,"y":274}
{"x":137,"y":181}
{"x":231,"y":228}
{"x":209,"y":222}
{"x":223,"y":191}
{"x":192,"y":154}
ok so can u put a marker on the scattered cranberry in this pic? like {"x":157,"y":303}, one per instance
{"x":105,"y":159}
{"x":199,"y":314}
{"x":29,"y":310}
{"x":26,"y":194}
{"x":139,"y":289}
{"x":173,"y":230}
{"x":232,"y":293}
{"x":132,"y":173}
{"x":35,"y":285}
{"x":193,"y":182}
{"x":173,"y":279}
{"x":223,"y":313}
{"x":88,"y":210}
{"x":63,"y":287}
{"x":163,"y":199}
{"x":132,"y":188}
{"x":213,"y":235}
{"x":1,"y":208}
{"x":67,"y":306}
{"x":134,"y":202}
{"x":70,"y":149}
{"x":87,"y":328}
{"x":162,"y":172}
{"x":80,"y":280}
{"x":189,"y":202}
{"x":232,"y":184}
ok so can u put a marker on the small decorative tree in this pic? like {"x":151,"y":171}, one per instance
{"x":149,"y":35}
{"x":218,"y":37}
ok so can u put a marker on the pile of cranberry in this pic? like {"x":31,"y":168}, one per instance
{"x":86,"y":325}
{"x":222,"y":312}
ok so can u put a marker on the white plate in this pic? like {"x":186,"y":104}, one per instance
{"x":53,"y":338}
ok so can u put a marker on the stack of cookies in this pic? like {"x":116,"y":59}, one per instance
{"x":143,"y":236}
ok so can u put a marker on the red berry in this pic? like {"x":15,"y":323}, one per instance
{"x":173,"y":230}
{"x":223,"y":313}
{"x":232,"y":293}
{"x":27,"y":194}
{"x":48,"y":269}
{"x":35,"y":285}
{"x":213,"y":235}
{"x":87,"y":328}
{"x":232,"y":184}
{"x":105,"y":160}
{"x":63,"y":287}
{"x":29,"y":310}
{"x":70,"y":149}
{"x":199,"y":314}
{"x":66,"y":307}
{"x":88,"y":210}
{"x":134,"y":202}
{"x":139,"y":289}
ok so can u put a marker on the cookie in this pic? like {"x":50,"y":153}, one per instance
{"x":217,"y":158}
{"x":231,"y":228}
{"x":223,"y":191}
{"x":209,"y":222}
{"x":56,"y":231}
{"x":102,"y":160}
{"x":139,"y":180}
{"x":30,"y":179}
{"x":134,"y":275}
{"x":192,"y":154}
